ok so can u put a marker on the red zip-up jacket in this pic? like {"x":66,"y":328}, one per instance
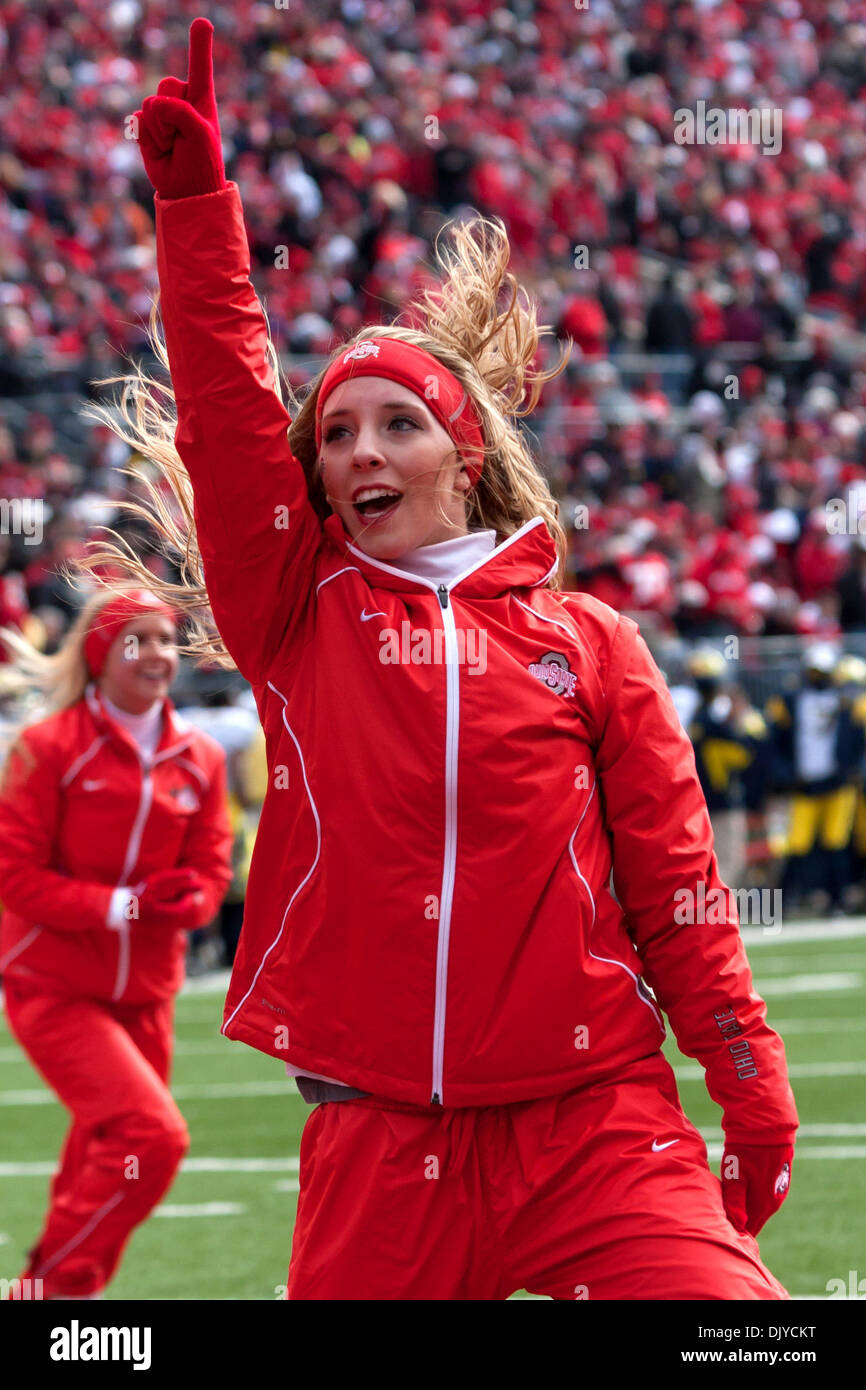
{"x":464,"y":880}
{"x":81,"y":814}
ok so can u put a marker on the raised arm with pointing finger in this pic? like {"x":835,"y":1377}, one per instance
{"x":257,"y":530}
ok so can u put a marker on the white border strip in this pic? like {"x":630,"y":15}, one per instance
{"x":309,"y":872}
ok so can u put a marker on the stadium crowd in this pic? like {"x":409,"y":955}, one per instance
{"x":706,"y":439}
{"x":355,"y":131}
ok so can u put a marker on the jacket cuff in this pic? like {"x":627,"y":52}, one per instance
{"x":118,"y":903}
{"x":762,"y":1138}
{"x":160,"y":202}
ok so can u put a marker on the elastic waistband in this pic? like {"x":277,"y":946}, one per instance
{"x":318,"y":1092}
{"x":653,"y":1068}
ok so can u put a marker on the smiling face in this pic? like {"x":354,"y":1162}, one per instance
{"x":389,"y":468}
{"x":138,"y":672}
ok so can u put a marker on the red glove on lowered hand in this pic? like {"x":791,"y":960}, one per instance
{"x":178,"y":129}
{"x":167,"y":885}
{"x":756,"y":1185}
{"x":170,"y":898}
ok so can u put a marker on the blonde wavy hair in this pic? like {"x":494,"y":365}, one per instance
{"x":488,"y":347}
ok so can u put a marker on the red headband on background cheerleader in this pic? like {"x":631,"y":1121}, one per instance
{"x":420,"y":372}
{"x":115,"y":615}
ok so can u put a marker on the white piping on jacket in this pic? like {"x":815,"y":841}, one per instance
{"x":309,"y":872}
{"x":345,"y":570}
{"x":544,"y":578}
{"x":196,"y":771}
{"x":606,"y":959}
{"x":79,"y":762}
{"x":21,"y":946}
{"x":172,"y":751}
{"x":556,"y":622}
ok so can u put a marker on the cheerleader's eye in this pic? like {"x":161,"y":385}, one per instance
{"x":331,"y":433}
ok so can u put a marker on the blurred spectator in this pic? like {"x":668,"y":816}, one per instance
{"x":669,"y":324}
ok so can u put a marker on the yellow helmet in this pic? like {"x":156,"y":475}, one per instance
{"x":707,"y":664}
{"x":850,"y":670}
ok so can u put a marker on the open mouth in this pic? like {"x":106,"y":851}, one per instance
{"x":376,"y":503}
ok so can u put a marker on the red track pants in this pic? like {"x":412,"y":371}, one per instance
{"x":109,"y":1064}
{"x":564,"y":1196}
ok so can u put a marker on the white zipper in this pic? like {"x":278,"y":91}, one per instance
{"x":449,"y":866}
{"x":132,"y":849}
{"x":452,"y":731}
{"x":446,"y":896}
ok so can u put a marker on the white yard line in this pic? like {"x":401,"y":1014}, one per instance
{"x":809,"y":984}
{"x":839,"y":1151}
{"x":181,"y":1049}
{"x":215,"y":982}
{"x":219,"y":1045}
{"x":797,"y":1070}
{"x":42,"y":1168}
{"x":842,"y":1131}
{"x":243,"y":1090}
{"x":814,"y":929}
{"x":219,"y":1090}
{"x":817,"y":1025}
{"x":777,"y":965}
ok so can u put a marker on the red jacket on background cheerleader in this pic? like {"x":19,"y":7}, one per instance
{"x":465,"y":883}
{"x":80,"y":814}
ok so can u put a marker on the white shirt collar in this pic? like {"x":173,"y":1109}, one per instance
{"x":443,"y":561}
{"x":147,"y":719}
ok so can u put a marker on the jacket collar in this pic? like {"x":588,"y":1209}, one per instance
{"x":176,"y":732}
{"x":525,"y":560}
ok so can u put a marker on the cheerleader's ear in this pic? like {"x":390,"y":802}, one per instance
{"x":463,"y":481}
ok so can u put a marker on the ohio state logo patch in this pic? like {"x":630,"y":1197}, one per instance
{"x":553,"y":670}
{"x":185,"y":798}
{"x":783,"y":1180}
{"x":362,"y":350}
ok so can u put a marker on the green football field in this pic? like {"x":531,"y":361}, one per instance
{"x":224,"y":1229}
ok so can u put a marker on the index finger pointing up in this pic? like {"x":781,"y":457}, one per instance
{"x":200,"y":76}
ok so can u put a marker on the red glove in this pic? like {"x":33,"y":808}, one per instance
{"x":755,"y":1182}
{"x":178,"y":129}
{"x":170,"y":898}
{"x":167,"y":885}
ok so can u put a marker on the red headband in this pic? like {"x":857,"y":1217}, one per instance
{"x":420,"y":372}
{"x":115,"y":615}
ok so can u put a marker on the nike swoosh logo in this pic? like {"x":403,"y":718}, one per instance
{"x":657,"y":1146}
{"x":365,"y":616}
{"x":93,"y":786}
